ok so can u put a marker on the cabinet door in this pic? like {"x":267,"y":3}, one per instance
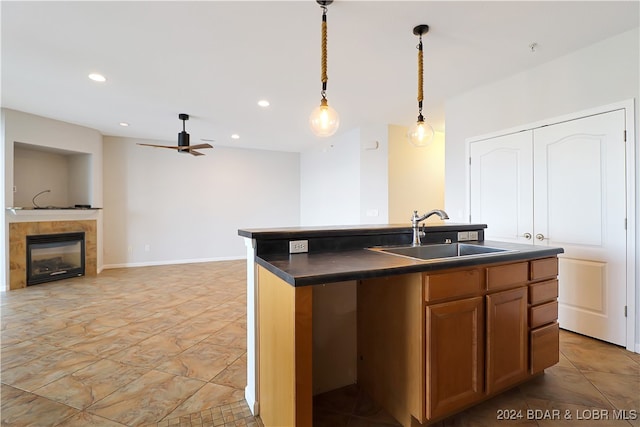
{"x":501,"y":186}
{"x":507,"y":340}
{"x":454,"y":355}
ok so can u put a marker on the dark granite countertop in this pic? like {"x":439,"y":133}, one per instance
{"x":337,"y":266}
{"x":349,"y":230}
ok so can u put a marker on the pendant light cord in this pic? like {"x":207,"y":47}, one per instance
{"x":324,"y":77}
{"x":420,"y":76}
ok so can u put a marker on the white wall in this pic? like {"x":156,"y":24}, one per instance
{"x":330,"y":181}
{"x":374,"y":174}
{"x":162,"y":206}
{"x":344,"y":179}
{"x":602,"y":74}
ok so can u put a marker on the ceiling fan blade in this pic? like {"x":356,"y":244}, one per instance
{"x":199,"y":146}
{"x":195,"y":153}
{"x":161,"y":146}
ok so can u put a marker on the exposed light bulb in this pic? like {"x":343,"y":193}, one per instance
{"x":97,"y":77}
{"x":421,"y":134}
{"x":324,"y":120}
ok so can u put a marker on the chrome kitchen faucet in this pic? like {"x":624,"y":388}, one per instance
{"x":415,"y":223}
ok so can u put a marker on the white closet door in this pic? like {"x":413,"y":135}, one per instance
{"x":501,"y":184}
{"x":579,"y":205}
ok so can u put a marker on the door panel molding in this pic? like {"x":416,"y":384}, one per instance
{"x":630,"y":222}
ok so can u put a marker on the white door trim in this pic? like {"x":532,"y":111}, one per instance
{"x":632,"y":176}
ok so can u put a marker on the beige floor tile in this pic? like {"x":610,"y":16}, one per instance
{"x":84,"y":419}
{"x":202,"y":361}
{"x":23,"y":352}
{"x":152,"y":351}
{"x":39,"y":372}
{"x":88,"y":385}
{"x":235,"y":375}
{"x":110,"y":342}
{"x":623,"y":391}
{"x":20,"y":408}
{"x":197,"y":329}
{"x":566,"y":385}
{"x":204,"y":399}
{"x":145,"y":400}
{"x":232,"y":335}
{"x":588,"y":357}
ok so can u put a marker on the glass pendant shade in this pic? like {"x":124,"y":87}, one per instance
{"x":324,"y":120}
{"x":421,"y":134}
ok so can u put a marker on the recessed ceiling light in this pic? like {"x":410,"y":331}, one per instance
{"x":97,"y":77}
{"x":124,"y":124}
{"x":263,"y":103}
{"x":235,"y":136}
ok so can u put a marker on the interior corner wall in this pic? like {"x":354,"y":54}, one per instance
{"x":374,"y":174}
{"x":416,"y":176}
{"x":330,"y":181}
{"x":165,"y":207}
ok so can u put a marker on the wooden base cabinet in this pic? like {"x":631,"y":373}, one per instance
{"x":481,"y":330}
{"x":544,"y":331}
{"x":507,"y":338}
{"x":454,"y":355}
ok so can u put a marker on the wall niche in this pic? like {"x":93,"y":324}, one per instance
{"x":67,"y":174}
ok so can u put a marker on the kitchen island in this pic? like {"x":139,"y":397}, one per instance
{"x":431,"y":336}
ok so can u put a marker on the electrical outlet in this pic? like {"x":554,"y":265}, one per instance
{"x":463,"y":236}
{"x":298,"y":246}
{"x":473,"y":235}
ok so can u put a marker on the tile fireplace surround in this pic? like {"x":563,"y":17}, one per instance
{"x":18,"y":232}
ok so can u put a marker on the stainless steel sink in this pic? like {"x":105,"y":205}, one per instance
{"x":438,"y":251}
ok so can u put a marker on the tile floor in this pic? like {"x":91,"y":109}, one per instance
{"x":165,"y":346}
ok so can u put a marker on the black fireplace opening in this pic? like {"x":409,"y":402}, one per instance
{"x":54,"y":257}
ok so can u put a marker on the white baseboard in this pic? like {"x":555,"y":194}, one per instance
{"x":170,"y":262}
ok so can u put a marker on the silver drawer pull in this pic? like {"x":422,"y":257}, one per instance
{"x":540,"y":236}
{"x":527,"y":236}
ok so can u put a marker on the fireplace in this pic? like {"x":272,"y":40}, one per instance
{"x":54,"y":257}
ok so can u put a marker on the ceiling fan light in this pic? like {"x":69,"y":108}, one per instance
{"x":324,"y":120}
{"x":421,"y":134}
{"x":183,"y":139}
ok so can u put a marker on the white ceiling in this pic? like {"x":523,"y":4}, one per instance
{"x":215,"y":59}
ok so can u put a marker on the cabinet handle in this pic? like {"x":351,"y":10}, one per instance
{"x":527,"y":236}
{"x":540,"y":236}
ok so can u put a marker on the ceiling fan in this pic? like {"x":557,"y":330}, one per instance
{"x":183,"y":141}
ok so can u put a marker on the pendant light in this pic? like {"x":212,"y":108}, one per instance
{"x":324,"y":120}
{"x":422,"y":133}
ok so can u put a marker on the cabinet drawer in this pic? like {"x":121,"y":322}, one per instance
{"x":543,"y":314}
{"x":455,"y":284}
{"x":506,"y":275}
{"x":545,"y":347}
{"x":543,"y":291}
{"x":544,"y":268}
